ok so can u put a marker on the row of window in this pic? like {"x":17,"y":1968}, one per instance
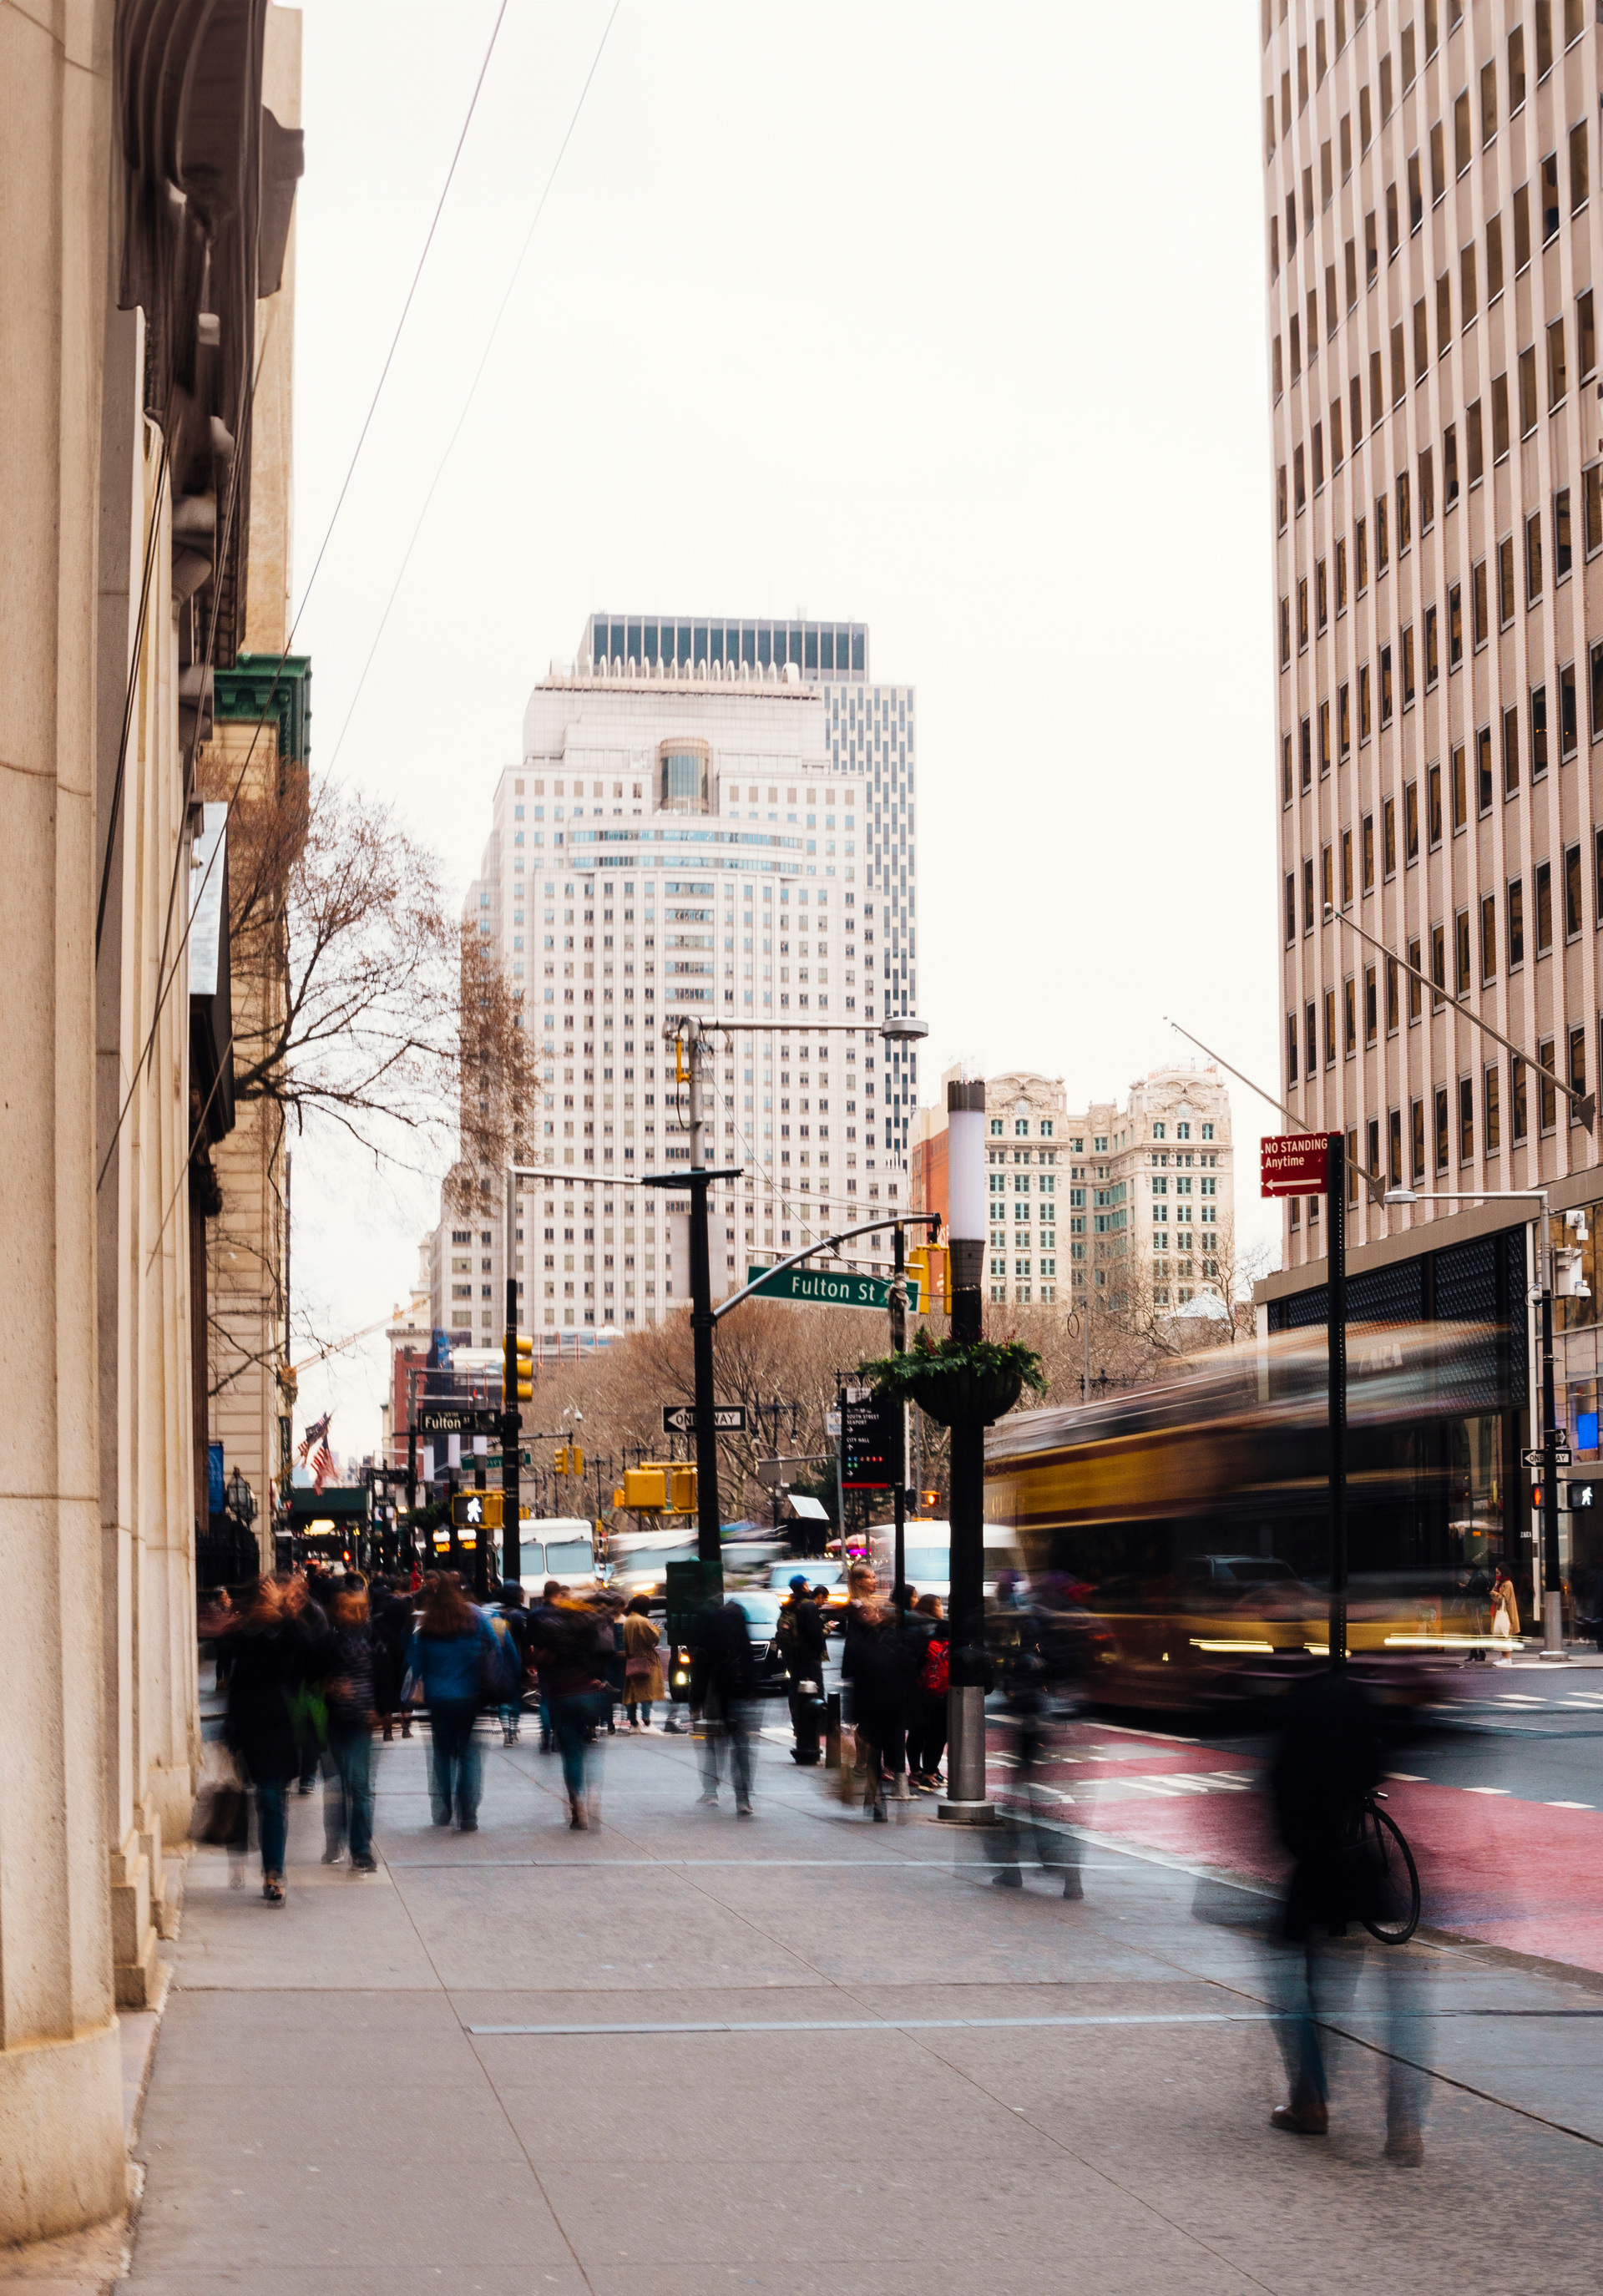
{"x":1574,"y":23}
{"x":1525,"y":1085}
{"x":1300,"y":342}
{"x":1473,"y":934}
{"x":1516,"y":554}
{"x":1571,"y":883}
{"x":1555,"y":346}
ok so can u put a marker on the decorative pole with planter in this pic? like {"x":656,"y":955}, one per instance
{"x":965,"y":1382}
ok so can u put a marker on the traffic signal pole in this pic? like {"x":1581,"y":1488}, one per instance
{"x":512,"y":1419}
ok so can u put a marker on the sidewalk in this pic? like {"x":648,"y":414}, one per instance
{"x":808,"y":2054}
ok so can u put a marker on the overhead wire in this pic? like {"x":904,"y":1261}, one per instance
{"x":171,"y":973}
{"x":472,"y":388}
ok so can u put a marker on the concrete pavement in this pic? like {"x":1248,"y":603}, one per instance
{"x":812,"y":2052}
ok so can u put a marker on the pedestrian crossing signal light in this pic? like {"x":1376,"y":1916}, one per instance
{"x":523,"y":1369}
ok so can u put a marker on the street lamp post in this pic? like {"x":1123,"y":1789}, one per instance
{"x":965,"y":1799}
{"x":1552,"y":1595}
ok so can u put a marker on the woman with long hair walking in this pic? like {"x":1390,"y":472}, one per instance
{"x":449,"y":1654}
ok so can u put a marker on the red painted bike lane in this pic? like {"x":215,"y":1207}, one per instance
{"x":1525,"y":1876}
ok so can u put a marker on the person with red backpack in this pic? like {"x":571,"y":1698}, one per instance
{"x":927,"y":1737}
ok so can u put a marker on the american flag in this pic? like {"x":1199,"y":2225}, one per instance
{"x":323,"y":1465}
{"x":317,"y":1432}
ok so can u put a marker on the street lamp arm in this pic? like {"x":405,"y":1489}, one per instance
{"x":1372,"y":1181}
{"x":931,"y":1220}
{"x":1585,"y":1103}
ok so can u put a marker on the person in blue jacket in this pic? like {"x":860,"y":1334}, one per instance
{"x":452,"y":1652}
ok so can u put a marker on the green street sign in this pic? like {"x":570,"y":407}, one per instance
{"x":828,"y":1287}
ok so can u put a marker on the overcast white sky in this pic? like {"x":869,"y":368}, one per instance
{"x":945,"y":319}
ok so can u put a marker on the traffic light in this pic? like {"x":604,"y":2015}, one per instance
{"x":524,"y":1369}
{"x":576,"y":1458}
{"x":683,"y":1500}
{"x":617,"y":1499}
{"x":560,"y":1463}
{"x":645,"y":1488}
{"x":929,"y":1266}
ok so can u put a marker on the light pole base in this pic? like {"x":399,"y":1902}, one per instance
{"x":1552,"y":1609}
{"x":967,"y":1813}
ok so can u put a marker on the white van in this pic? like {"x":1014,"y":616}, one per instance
{"x":559,"y":1546}
{"x":926,"y":1550}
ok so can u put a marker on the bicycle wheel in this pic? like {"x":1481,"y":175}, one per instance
{"x":1392,"y":1880}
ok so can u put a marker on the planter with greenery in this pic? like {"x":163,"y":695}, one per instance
{"x":960,"y":1383}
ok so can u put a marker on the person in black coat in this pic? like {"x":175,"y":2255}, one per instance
{"x":272,"y":1652}
{"x":722,"y":1684}
{"x":392,"y":1621}
{"x":802,"y":1647}
{"x":1330,"y":1756}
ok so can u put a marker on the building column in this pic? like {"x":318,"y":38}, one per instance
{"x":61,"y":2159}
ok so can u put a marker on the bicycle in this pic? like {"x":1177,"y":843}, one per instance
{"x":1391,"y":1878}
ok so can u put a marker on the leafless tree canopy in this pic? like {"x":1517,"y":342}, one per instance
{"x":344,"y":961}
{"x":495,"y":1069}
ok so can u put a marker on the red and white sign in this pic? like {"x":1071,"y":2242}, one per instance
{"x":1296,"y":1164}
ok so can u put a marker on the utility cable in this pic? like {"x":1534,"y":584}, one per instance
{"x":472,"y":389}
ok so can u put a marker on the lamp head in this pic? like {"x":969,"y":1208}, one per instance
{"x":1400,"y":1196}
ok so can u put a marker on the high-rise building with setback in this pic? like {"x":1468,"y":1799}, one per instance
{"x":1430,"y":243}
{"x":717,"y":819}
{"x":1431,"y":248}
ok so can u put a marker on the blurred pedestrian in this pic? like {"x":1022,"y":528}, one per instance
{"x":308,"y":1710}
{"x":1505,"y":1615}
{"x":875,"y":1664}
{"x":575,"y":1649}
{"x":391,"y":1615}
{"x":1328,"y":1760}
{"x":269,"y":1659}
{"x":542,"y":1623}
{"x":927,"y":1732}
{"x":722,"y":1684}
{"x":449,"y":1653}
{"x":643,"y":1662}
{"x":1039,"y":1664}
{"x":514,"y":1622}
{"x":349,"y":1660}
{"x":800,"y":1634}
{"x":610,"y":1608}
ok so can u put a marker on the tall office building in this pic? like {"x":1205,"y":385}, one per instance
{"x":1431,"y":245}
{"x":1429,"y":251}
{"x":715,"y":819}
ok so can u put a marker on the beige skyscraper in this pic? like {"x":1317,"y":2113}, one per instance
{"x":1430,"y":241}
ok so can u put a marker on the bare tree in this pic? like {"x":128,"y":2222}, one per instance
{"x":345,"y":960}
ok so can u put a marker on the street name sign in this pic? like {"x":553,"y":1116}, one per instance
{"x":1295,"y":1164}
{"x":457,"y":1419}
{"x":828,"y":1287}
{"x":680,"y":1418}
